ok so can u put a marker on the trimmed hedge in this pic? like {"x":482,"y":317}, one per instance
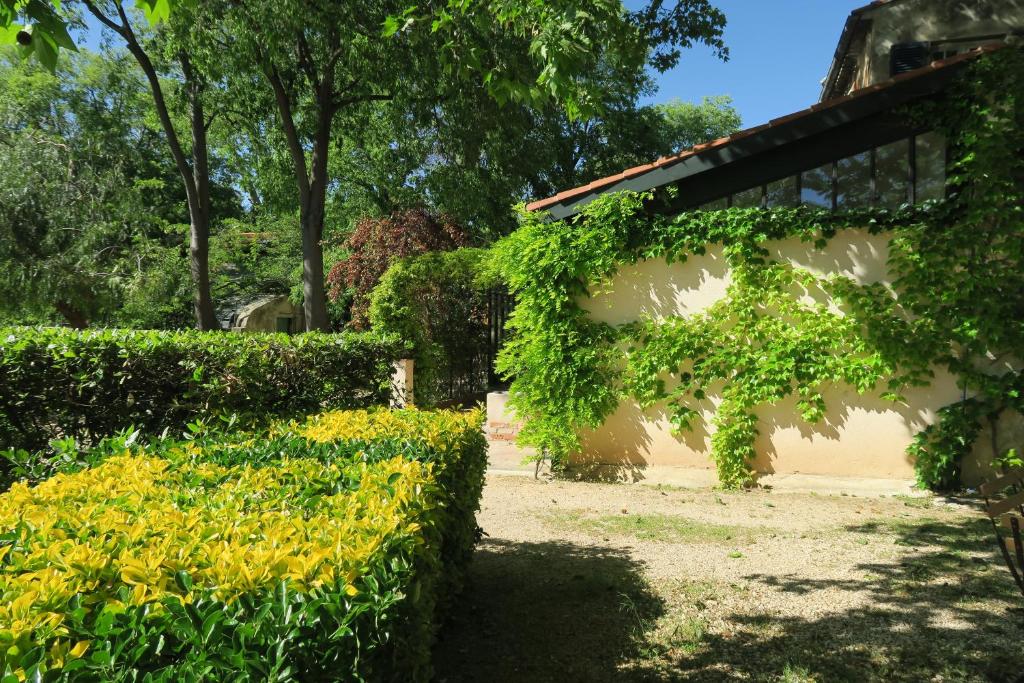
{"x":318,"y":551}
{"x":60,"y":383}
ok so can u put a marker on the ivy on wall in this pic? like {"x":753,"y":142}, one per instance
{"x":957,"y":302}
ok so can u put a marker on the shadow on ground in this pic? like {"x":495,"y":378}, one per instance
{"x":562,"y":612}
{"x":551,"y":611}
{"x":948,"y":612}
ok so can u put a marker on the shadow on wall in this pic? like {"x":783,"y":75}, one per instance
{"x":855,"y":254}
{"x":656,"y":289}
{"x":616,"y":452}
{"x":551,"y":611}
{"x":859,"y":436}
{"x":912,"y":625}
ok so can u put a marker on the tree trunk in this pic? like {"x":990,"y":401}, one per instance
{"x":311,"y":180}
{"x":314,"y":293}
{"x":199,"y":232}
{"x":75,"y":317}
{"x":195,"y":177}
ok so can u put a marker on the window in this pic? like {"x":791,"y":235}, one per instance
{"x":908,"y":170}
{"x":816,"y":186}
{"x":853,"y":181}
{"x":892,"y":174}
{"x":284,"y":324}
{"x":748,"y":199}
{"x":782,"y":192}
{"x":930,"y":167}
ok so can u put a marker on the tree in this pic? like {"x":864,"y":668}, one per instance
{"x":85,"y":186}
{"x":376,"y":244}
{"x":320,"y":58}
{"x":476,"y":160}
{"x":685,"y":124}
{"x":194,"y":172}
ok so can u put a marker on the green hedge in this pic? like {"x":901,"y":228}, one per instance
{"x":59,"y":383}
{"x":319,"y":551}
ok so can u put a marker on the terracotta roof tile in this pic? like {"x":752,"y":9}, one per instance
{"x":670,"y":160}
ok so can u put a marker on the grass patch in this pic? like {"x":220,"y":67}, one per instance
{"x":920,"y":502}
{"x":796,"y":674}
{"x":655,"y":527}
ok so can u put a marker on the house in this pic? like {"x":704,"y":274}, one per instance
{"x":856,"y":148}
{"x":889,"y":37}
{"x":262,"y":313}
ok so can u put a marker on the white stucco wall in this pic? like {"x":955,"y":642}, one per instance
{"x":861,"y":436}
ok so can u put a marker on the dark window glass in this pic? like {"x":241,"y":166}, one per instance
{"x":853,"y":181}
{"x":747,"y":198}
{"x":816,"y":186}
{"x":892,"y":174}
{"x":782,"y":192}
{"x":930,"y":155}
{"x":714,"y":205}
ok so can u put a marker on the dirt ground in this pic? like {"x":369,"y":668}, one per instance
{"x":604,"y":582}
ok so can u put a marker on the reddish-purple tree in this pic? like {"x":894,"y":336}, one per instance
{"x":376,"y":243}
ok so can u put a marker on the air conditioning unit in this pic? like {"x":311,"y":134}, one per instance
{"x":908,"y":56}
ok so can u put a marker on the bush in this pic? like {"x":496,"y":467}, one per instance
{"x":438,"y":303}
{"x":60,"y":383}
{"x":376,"y":243}
{"x":320,"y":551}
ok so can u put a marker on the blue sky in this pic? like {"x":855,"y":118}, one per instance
{"x":780,"y":51}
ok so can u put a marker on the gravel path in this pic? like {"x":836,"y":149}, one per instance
{"x":602,"y":582}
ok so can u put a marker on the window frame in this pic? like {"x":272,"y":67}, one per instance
{"x":911,"y":170}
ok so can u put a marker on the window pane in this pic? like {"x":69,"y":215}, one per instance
{"x":853,"y":181}
{"x":747,"y":199}
{"x":816,"y":186}
{"x":892,"y":174}
{"x":783,"y":192}
{"x":714,"y":205}
{"x":931,"y":166}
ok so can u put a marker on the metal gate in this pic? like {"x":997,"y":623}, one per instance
{"x":499,"y":306}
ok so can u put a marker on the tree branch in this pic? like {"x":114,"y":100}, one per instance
{"x":364,"y":97}
{"x":291,"y":134}
{"x":145,"y":63}
{"x":306,"y":61}
{"x":104,"y":19}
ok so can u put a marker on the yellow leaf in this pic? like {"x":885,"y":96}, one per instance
{"x":79,"y":649}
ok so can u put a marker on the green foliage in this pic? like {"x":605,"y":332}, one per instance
{"x":436,"y":303}
{"x":87,"y":190}
{"x":938,"y":449}
{"x":86,"y":385}
{"x":323,"y":550}
{"x":44,"y":32}
{"x":775,"y":333}
{"x":686,"y":124}
{"x":377,"y":243}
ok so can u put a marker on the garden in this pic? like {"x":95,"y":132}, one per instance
{"x":264,"y":264}
{"x":327,"y":547}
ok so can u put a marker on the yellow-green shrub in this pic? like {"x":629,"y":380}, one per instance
{"x":324,"y":561}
